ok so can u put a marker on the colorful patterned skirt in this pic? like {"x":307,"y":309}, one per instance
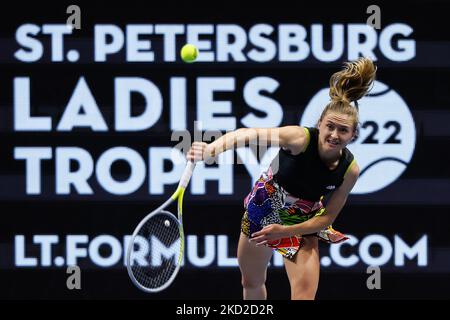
{"x":268,"y":203}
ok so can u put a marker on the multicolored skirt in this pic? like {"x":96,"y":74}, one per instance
{"x":268,"y":203}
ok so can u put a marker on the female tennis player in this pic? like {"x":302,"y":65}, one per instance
{"x":284,"y":210}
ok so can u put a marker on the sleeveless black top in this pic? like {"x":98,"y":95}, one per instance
{"x":305,"y":175}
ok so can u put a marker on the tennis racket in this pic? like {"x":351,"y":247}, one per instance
{"x":155,"y":251}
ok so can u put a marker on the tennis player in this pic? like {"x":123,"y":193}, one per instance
{"x":284,"y":210}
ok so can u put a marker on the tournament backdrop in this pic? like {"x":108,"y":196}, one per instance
{"x":93,"y":123}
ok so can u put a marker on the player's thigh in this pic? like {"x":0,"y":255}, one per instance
{"x":304,"y":270}
{"x":253,"y":260}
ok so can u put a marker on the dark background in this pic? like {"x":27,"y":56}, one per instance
{"x":416,"y":204}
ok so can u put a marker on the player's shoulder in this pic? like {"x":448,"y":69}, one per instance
{"x":293,"y":133}
{"x":292,"y":128}
{"x":296,"y":138}
{"x":352,"y":170}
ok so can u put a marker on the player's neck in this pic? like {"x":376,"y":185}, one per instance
{"x":329,"y":157}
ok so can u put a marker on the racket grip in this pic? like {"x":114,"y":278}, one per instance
{"x":184,"y":181}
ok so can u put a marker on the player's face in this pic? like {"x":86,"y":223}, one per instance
{"x":336,"y":130}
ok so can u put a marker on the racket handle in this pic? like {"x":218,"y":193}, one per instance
{"x":187,"y":174}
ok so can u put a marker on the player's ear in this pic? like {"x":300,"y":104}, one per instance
{"x":355,"y":133}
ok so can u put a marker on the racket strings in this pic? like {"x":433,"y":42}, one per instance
{"x":156,"y":251}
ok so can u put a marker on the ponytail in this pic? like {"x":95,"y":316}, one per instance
{"x":354,"y":81}
{"x":349,"y":85}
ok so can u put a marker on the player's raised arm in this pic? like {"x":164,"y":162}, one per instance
{"x":293,"y":138}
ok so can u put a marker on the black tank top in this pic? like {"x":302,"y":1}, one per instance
{"x":305,"y":175}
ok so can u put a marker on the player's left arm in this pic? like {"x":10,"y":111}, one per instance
{"x":317,"y":223}
{"x":333,"y":207}
{"x":338,"y":199}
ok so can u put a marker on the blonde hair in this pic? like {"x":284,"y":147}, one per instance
{"x":349,"y":85}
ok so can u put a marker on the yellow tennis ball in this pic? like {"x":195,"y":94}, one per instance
{"x":189,"y":53}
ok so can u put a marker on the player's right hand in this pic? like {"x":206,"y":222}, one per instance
{"x":199,"y":151}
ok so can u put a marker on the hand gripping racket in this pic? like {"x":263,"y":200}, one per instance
{"x":155,"y":252}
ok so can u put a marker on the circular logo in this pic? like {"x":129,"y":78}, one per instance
{"x":386,"y":140}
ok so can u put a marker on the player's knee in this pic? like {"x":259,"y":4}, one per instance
{"x":303,"y":289}
{"x":303,"y":295}
{"x":252,"y":282}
